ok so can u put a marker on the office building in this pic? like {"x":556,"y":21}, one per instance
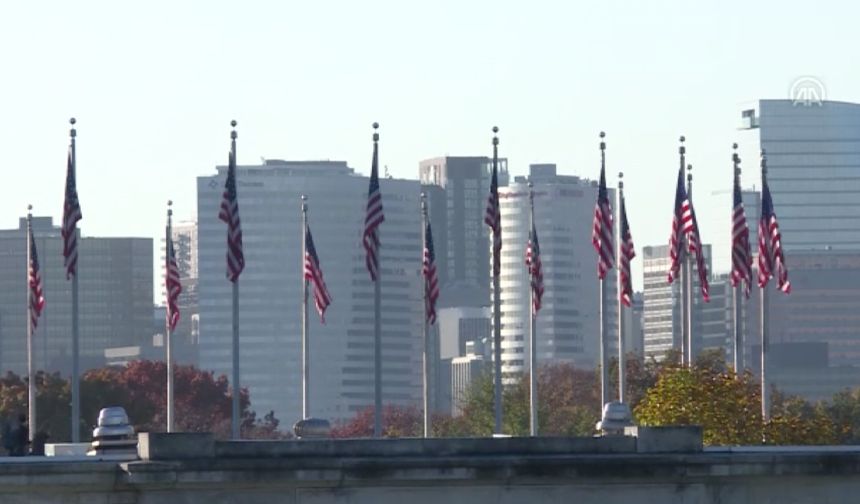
{"x":462,"y":245}
{"x":813,"y":153}
{"x":186,"y":335}
{"x":341,"y":350}
{"x":567,"y":324}
{"x":823,"y":307}
{"x":465,"y":371}
{"x":661,"y":308}
{"x":115,"y":298}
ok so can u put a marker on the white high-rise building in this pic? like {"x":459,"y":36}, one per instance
{"x":662,"y":306}
{"x":341,"y":351}
{"x":567,"y":324}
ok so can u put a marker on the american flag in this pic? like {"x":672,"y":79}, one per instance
{"x":535,"y":269}
{"x":628,"y":252}
{"x":230,"y":214}
{"x":694,"y":243}
{"x":171,"y":281}
{"x":684,"y":225}
{"x":314,"y":275}
{"x":601,"y":234}
{"x":681,"y":221}
{"x":374,"y":216}
{"x":493,"y":218}
{"x":741,"y":255}
{"x":71,"y":216}
{"x":771,"y":262}
{"x":431,"y":280}
{"x":37,"y":297}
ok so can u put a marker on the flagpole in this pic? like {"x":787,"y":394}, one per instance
{"x":426,"y":357}
{"x":168,"y":343}
{"x":688,"y":265}
{"x":497,"y":315}
{"x":683,"y":273}
{"x":76,"y":367}
{"x":31,"y":376}
{"x":763,"y":318}
{"x":237,"y":389}
{"x":736,"y":300}
{"x":306,"y":370}
{"x":619,"y":241}
{"x":533,"y":406}
{"x":604,"y":350}
{"x":377,"y":324}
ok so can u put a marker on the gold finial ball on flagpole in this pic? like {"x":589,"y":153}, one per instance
{"x":72,"y":121}
{"x":735,"y":146}
{"x":233,"y":134}
{"x":689,"y":172}
{"x":495,"y":135}
{"x":29,"y":207}
{"x":602,"y":143}
{"x":375,"y":131}
{"x":621,"y":180}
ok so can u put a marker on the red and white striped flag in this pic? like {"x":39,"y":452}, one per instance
{"x":172,"y":284}
{"x":230,"y":214}
{"x":601,"y":233}
{"x":771,"y":261}
{"x":314,"y":276}
{"x":71,"y":216}
{"x":535,"y":269}
{"x":741,"y":255}
{"x":684,"y":225}
{"x":493,"y":219}
{"x":34,"y":276}
{"x":374,"y":217}
{"x":431,"y":280}
{"x":628,"y":252}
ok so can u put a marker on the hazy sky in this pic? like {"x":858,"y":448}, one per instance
{"x":155,"y":84}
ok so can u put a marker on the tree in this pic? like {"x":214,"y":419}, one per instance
{"x":728,"y":407}
{"x":202,"y":402}
{"x":397,"y":421}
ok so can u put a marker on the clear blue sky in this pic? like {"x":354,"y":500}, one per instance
{"x":154,"y":85}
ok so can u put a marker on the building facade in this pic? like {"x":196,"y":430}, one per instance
{"x":813,"y":154}
{"x":341,"y":350}
{"x":567,"y":324}
{"x":661,"y":307}
{"x":464,"y":243}
{"x":115,"y":298}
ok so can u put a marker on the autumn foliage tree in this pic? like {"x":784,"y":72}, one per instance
{"x":203,"y":403}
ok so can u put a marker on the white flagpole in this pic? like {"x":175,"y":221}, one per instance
{"x":427,"y":349}
{"x":306,"y":399}
{"x":497,"y":316}
{"x":688,"y":264}
{"x":76,"y":367}
{"x":377,"y":322}
{"x":604,"y":349}
{"x":763,"y":317}
{"x":683,"y":276}
{"x":619,"y":241}
{"x":533,"y":405}
{"x":237,"y":389}
{"x":168,"y":343}
{"x":736,"y":298}
{"x":31,"y":375}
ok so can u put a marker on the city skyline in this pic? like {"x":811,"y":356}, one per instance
{"x":154,"y":105}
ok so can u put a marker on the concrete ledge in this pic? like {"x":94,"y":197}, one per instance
{"x":667,"y":439}
{"x":417,"y":447}
{"x":175,"y":446}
